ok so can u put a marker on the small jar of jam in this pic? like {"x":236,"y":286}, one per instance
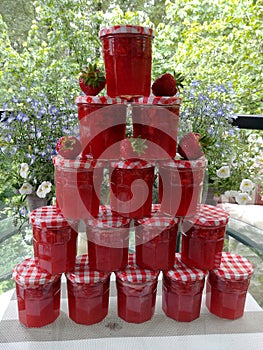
{"x":136,"y":292}
{"x":182,"y":289}
{"x":108,"y":243}
{"x":38,"y":294}
{"x":88,"y":293}
{"x":54,"y":239}
{"x":203,"y":237}
{"x":131,"y":185}
{"x":227,"y":286}
{"x":155,"y":240}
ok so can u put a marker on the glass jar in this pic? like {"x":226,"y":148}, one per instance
{"x":155,"y":240}
{"x":108,"y":243}
{"x":127,"y":52}
{"x":203,"y":237}
{"x":102,"y":124}
{"x":131,"y":185}
{"x":180,"y":186}
{"x":38,"y":294}
{"x":155,"y":120}
{"x":54,"y":240}
{"x":78,"y":185}
{"x":136,"y":292}
{"x":88,"y":293}
{"x":226,"y":287}
{"x":182,"y":289}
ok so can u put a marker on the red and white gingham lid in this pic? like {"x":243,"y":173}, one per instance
{"x":185,"y":164}
{"x":135,"y":274}
{"x":158,"y":100}
{"x":158,"y":221}
{"x":101,"y":100}
{"x":28,"y":273}
{"x":126,"y":29}
{"x":109,"y":221}
{"x":77,"y":163}
{"x":104,"y":210}
{"x":83,"y":274}
{"x":209,"y":215}
{"x":234,"y":267}
{"x":48,"y":216}
{"x":132,"y":164}
{"x":183,"y":273}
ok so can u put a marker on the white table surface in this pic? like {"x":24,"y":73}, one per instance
{"x":206,"y":333}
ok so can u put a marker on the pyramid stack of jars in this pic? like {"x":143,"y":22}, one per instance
{"x":130,"y":237}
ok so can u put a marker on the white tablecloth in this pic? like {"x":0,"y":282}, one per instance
{"x":206,"y":333}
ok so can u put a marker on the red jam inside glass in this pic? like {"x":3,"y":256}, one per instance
{"x":156,"y":243}
{"x":88,"y":294}
{"x":128,"y":61}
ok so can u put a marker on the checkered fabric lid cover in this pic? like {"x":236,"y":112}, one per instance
{"x":124,"y":29}
{"x":158,"y":100}
{"x":183,"y":273}
{"x":101,"y":100}
{"x":83,"y":274}
{"x":77,"y":163}
{"x":48,"y":216}
{"x":28,"y":273}
{"x":131,"y":164}
{"x":158,"y":221}
{"x":135,"y":274}
{"x":185,"y":164}
{"x":234,"y":267}
{"x":104,"y":210}
{"x":109,"y":221}
{"x":209,"y":215}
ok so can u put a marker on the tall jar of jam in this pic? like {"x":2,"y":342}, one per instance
{"x":155,"y":121}
{"x":38,"y":294}
{"x":88,"y":293}
{"x":108,"y":243}
{"x":127,"y":52}
{"x":155,"y":240}
{"x":180,"y":185}
{"x":78,"y":184}
{"x":136,"y":292}
{"x":182,"y":289}
{"x":203,"y":237}
{"x":102,"y":125}
{"x":54,"y":239}
{"x":131,"y":186}
{"x":227,"y":286}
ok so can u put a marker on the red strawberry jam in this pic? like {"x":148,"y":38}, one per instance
{"x":127,"y":52}
{"x":55,"y":240}
{"x":88,"y":293}
{"x":38,"y":294}
{"x":180,"y":186}
{"x":203,"y":237}
{"x":227,"y":286}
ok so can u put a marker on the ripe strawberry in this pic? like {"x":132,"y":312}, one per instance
{"x":132,"y":148}
{"x":68,"y":147}
{"x":189,"y":146}
{"x":167,"y":84}
{"x":92,"y":80}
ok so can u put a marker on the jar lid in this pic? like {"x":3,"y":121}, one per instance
{"x":123,"y":29}
{"x":158,"y":221}
{"x":234,"y":267}
{"x":184,"y":273}
{"x":135,"y":274}
{"x":104,"y":210}
{"x":28,"y":273}
{"x":109,"y":221}
{"x":83,"y":274}
{"x":132,"y":164}
{"x":158,"y":100}
{"x":102,"y":100}
{"x":185,"y":164}
{"x":208,"y":215}
{"x":77,"y":163}
{"x":48,"y":216}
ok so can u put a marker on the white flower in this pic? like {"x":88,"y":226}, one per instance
{"x":243,"y":198}
{"x":223,"y":172}
{"x":43,"y":189}
{"x":26,"y":188}
{"x":24,"y":170}
{"x":246,"y":185}
{"x":259,"y":160}
{"x":231,"y":193}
